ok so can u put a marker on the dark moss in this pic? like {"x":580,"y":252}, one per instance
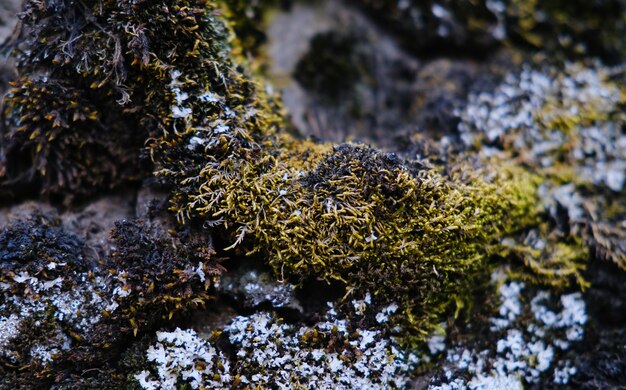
{"x":92,"y":90}
{"x":164,"y":274}
{"x":69,"y":317}
{"x":57,"y":137}
{"x":332,"y":66}
{"x":601,"y":359}
{"x":116,"y":375}
{"x":603,"y":365}
{"x":36,"y":246}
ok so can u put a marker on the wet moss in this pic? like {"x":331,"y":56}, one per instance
{"x":369,"y":220}
{"x":68,"y":316}
{"x":331,"y":67}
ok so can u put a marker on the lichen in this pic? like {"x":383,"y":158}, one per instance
{"x":61,"y":305}
{"x":266,"y":352}
{"x":255,"y":288}
{"x":565,"y":125}
{"x":528,"y":340}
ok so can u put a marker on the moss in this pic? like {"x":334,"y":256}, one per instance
{"x":40,"y":264}
{"x":111,"y":377}
{"x":331,"y":66}
{"x":36,"y":246}
{"x":351,"y":214}
{"x":604,"y":233}
{"x":114,"y":58}
{"x":168,"y":275}
{"x":67,"y":316}
{"x":362,"y":218}
{"x":57,"y":137}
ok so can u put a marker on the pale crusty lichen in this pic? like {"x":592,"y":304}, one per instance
{"x":268,"y":353}
{"x":528,"y":339}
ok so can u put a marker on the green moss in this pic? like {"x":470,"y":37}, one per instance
{"x":56,"y":136}
{"x":348,"y":214}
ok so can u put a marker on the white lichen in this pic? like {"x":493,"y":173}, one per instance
{"x":178,"y":110}
{"x":9,"y":329}
{"x":527,"y":347}
{"x":66,"y":308}
{"x":257,"y":288}
{"x":383,"y":316}
{"x":182,"y":355}
{"x":277,"y":356}
{"x":272,"y":354}
{"x":538,"y":112}
{"x":563,"y":374}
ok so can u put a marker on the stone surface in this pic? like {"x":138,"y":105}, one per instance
{"x":147,"y":285}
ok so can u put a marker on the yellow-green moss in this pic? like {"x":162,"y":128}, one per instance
{"x":347,"y":214}
{"x":364,"y":219}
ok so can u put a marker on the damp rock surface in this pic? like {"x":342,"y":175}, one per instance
{"x":288,"y":194}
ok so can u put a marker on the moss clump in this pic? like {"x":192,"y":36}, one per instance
{"x":64,"y":311}
{"x":37,"y":247}
{"x":350,"y":214}
{"x":164,"y":274}
{"x":332,"y":66}
{"x":57,"y":137}
{"x":364,"y":219}
{"x":123,"y":86}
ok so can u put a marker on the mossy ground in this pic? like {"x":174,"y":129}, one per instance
{"x":111,"y":93}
